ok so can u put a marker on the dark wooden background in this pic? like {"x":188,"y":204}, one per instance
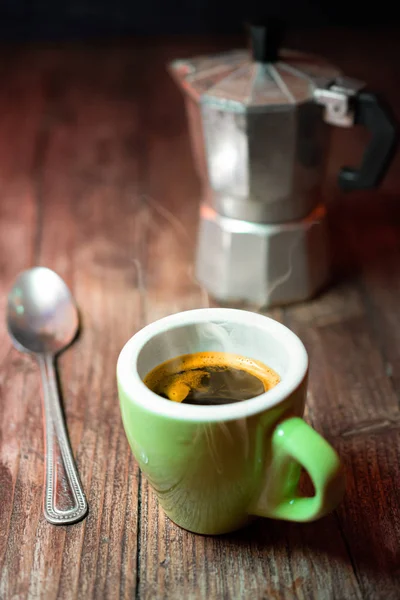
{"x":97,"y":182}
{"x":66,"y":19}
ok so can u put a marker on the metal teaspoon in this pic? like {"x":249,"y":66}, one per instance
{"x":42,"y":319}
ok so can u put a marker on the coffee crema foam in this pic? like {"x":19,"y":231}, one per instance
{"x":205,"y":377}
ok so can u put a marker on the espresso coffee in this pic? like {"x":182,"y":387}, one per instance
{"x":211,"y":378}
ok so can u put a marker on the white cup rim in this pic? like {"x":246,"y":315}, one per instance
{"x":138,"y":393}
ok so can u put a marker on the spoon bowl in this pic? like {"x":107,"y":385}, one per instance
{"x":42,"y":316}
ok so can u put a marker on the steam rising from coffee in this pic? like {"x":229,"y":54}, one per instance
{"x":150,"y":210}
{"x":212,"y":336}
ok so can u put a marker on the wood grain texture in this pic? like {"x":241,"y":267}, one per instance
{"x":97,"y":182}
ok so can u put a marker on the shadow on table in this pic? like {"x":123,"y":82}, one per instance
{"x":362,"y":532}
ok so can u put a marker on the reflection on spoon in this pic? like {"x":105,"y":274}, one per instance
{"x":42,"y":319}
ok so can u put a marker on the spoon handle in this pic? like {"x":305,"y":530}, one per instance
{"x":64,"y":498}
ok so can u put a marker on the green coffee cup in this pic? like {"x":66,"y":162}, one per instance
{"x":215,"y":468}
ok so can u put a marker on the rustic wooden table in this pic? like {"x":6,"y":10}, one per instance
{"x":97,"y":182}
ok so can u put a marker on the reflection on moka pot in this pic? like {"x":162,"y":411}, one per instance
{"x":258,"y":124}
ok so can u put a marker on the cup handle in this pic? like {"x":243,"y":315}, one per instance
{"x":294,"y":445}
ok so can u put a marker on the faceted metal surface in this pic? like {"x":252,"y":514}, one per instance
{"x":258,"y":136}
{"x":259,"y":142}
{"x":265,"y":265}
{"x":264,"y":167}
{"x":232,"y":80}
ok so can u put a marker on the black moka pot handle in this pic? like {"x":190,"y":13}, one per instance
{"x":376,"y":116}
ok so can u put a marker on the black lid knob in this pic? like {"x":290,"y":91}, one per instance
{"x":266,"y":36}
